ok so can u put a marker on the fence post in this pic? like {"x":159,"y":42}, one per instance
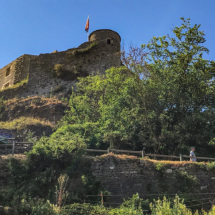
{"x":142,"y":153}
{"x":13,"y":149}
{"x":213,"y":203}
{"x":101,"y":198}
{"x":181,"y":157}
{"x":108,"y":150}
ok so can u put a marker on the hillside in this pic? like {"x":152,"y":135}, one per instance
{"x":34,"y":114}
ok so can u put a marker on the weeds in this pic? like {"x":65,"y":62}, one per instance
{"x":85,"y":50}
{"x":23,"y":122}
{"x":2,"y":107}
{"x":21,"y":83}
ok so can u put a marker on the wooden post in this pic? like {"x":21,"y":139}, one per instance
{"x":213,"y":203}
{"x":142,"y":153}
{"x":108,"y":150}
{"x":101,"y":198}
{"x":181,"y":157}
{"x":13,"y":149}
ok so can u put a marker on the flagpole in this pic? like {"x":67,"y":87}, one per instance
{"x":88,"y":29}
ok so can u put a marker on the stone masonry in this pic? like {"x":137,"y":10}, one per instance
{"x":97,"y":55}
{"x":130,"y":176}
{"x":127,"y":176}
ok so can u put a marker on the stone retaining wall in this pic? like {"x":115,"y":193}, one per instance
{"x":129,"y":176}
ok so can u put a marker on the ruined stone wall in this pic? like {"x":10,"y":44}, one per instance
{"x":80,"y":62}
{"x":22,"y":68}
{"x":97,"y":55}
{"x":14,"y":72}
{"x":130,"y":176}
{"x":6,"y":79}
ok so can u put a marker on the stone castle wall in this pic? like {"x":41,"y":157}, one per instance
{"x":22,"y":68}
{"x":42,"y":79}
{"x":15,"y":72}
{"x":7,"y":79}
{"x":97,"y":55}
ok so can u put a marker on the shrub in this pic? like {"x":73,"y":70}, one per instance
{"x":23,"y":122}
{"x":159,"y":166}
{"x":211,"y":165}
{"x":165,"y":207}
{"x":59,"y":89}
{"x":69,"y":73}
{"x":59,"y":70}
{"x":85,"y":50}
{"x":186,"y":182}
{"x":2,"y":107}
{"x":177,"y":207}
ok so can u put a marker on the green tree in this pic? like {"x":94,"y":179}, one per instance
{"x":186,"y":96}
{"x":163,"y":97}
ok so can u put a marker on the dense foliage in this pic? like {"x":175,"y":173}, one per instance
{"x":133,"y":206}
{"x":2,"y":107}
{"x":163,"y":97}
{"x":36,"y":176}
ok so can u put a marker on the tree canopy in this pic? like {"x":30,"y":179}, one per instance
{"x":162,"y":98}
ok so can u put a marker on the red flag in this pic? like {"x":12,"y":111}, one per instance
{"x":87,"y":25}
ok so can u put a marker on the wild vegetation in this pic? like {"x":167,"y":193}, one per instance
{"x":2,"y":107}
{"x":21,"y":83}
{"x":76,"y":52}
{"x":23,"y":122}
{"x":162,"y":99}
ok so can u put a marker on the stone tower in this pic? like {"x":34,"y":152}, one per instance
{"x":109,"y":43}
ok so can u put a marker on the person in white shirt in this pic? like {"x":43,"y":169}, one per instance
{"x":192,"y":154}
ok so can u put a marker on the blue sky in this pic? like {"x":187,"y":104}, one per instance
{"x":42,"y":26}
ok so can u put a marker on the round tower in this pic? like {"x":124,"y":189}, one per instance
{"x":107,"y":51}
{"x":105,"y":34}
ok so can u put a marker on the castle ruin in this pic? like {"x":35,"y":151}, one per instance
{"x":56,"y":73}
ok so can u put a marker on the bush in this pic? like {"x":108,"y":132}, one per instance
{"x":165,"y":207}
{"x":85,"y":50}
{"x":36,"y":176}
{"x":59,"y":70}
{"x":136,"y":203}
{"x":59,"y":89}
{"x":32,"y":207}
{"x":2,"y":107}
{"x":211,"y":165}
{"x":177,"y":207}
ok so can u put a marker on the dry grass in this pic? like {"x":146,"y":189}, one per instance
{"x":24,"y":81}
{"x":16,"y":156}
{"x":23,"y":122}
{"x":174,"y":163}
{"x":164,"y":162}
{"x":120,"y":156}
{"x":53,"y":100}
